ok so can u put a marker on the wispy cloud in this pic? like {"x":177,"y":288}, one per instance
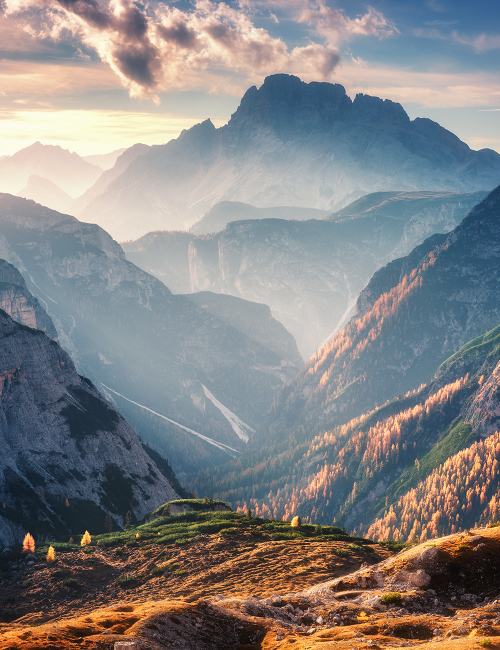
{"x":480,"y":43}
{"x":160,"y":47}
{"x":88,"y":132}
{"x":335,"y":27}
{"x":426,"y":89}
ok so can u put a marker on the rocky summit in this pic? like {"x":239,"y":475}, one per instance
{"x":289,"y":144}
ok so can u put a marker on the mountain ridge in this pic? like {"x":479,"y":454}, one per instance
{"x":289,"y":143}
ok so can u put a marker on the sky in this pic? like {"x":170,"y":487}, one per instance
{"x":97,"y":75}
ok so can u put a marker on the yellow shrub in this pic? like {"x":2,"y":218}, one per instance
{"x":296,"y":522}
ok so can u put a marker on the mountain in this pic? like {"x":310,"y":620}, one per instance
{"x":46,"y":192}
{"x":190,"y":378}
{"x":219,"y":215}
{"x":340,"y":455}
{"x":310,"y":272}
{"x":20,"y":304}
{"x":68,"y":457}
{"x":120,"y":164}
{"x":290,"y":144}
{"x":104,"y":160}
{"x":66,"y":169}
{"x":415,"y":312}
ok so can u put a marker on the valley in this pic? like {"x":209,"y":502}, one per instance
{"x":250,"y":380}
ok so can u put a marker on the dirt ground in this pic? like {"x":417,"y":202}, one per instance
{"x":231,"y":594}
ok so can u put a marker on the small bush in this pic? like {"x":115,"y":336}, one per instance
{"x":494,"y":524}
{"x":485,"y":643}
{"x":72,"y":583}
{"x":229,"y":531}
{"x":57,"y":574}
{"x":159,"y":570}
{"x":296,"y":522}
{"x":181,"y":572}
{"x":25,"y":584}
{"x":126,"y":580}
{"x":342,"y":552}
{"x":255,"y":533}
{"x":391,"y":598}
{"x":355,"y":547}
{"x":182,"y":541}
{"x":119,"y":551}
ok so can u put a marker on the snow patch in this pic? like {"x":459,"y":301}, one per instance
{"x":238,"y":426}
{"x":229,"y":450}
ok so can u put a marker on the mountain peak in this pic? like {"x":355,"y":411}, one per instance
{"x":291,"y":107}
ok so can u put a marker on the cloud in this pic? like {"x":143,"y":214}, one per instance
{"x":335,"y":27}
{"x":425,"y":89}
{"x":481,"y":43}
{"x":154,"y":48}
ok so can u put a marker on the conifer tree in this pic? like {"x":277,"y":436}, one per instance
{"x":296,"y":522}
{"x":51,"y":555}
{"x":86,"y":539}
{"x":28,"y":544}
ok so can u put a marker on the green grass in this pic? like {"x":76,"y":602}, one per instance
{"x":72,"y":583}
{"x":391,"y":598}
{"x":126,"y":580}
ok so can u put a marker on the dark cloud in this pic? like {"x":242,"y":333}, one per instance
{"x":179,"y":33}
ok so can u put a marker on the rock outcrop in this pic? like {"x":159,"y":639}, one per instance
{"x":20,"y":304}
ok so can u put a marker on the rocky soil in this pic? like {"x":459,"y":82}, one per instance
{"x":415,"y":598}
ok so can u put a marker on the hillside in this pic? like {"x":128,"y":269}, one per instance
{"x":68,"y":457}
{"x":402,"y":471}
{"x":326,"y":458}
{"x":289,"y":144}
{"x":415,"y":313}
{"x":189,"y":378}
{"x":256,"y":593}
{"x":310,"y":272}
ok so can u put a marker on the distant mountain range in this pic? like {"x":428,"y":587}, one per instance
{"x":289,"y":144}
{"x":422,"y":346}
{"x":68,"y":457}
{"x":309,"y":272}
{"x":212,"y":364}
{"x":67,"y":170}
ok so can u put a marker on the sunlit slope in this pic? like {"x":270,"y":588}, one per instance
{"x":415,"y":467}
{"x":413,"y":317}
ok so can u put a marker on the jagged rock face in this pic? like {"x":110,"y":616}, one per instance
{"x":310,"y":273}
{"x":17,"y":301}
{"x":129,"y":334}
{"x":289,"y":143}
{"x":446,"y":298}
{"x":483,"y":412}
{"x":62,"y":440}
